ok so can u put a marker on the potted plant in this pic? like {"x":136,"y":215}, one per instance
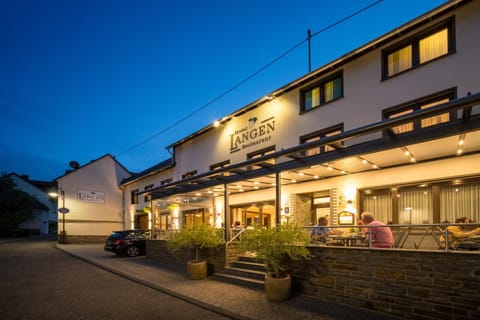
{"x":199,"y":237}
{"x":277,"y":247}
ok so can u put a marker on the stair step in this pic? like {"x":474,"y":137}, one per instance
{"x":248,"y":265}
{"x":251,"y":259}
{"x":252,"y":283}
{"x":245,"y":273}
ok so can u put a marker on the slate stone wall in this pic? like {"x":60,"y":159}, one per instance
{"x":411,"y":284}
{"x":407,"y":283}
{"x":158,"y":251}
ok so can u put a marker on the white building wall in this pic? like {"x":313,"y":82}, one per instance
{"x":365,"y":96}
{"x":138,"y":208}
{"x":93,"y":216}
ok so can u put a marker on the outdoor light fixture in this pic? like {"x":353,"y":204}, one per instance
{"x":62,"y":210}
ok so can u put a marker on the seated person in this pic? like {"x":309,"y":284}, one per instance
{"x":381,"y":237}
{"x":458,"y":234}
{"x":320,"y":232}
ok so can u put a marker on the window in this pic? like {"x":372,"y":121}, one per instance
{"x":134,"y":196}
{"x":147,"y":197}
{"x":435,"y":42}
{"x":261,"y":153}
{"x":325,"y":91}
{"x":380,"y":203}
{"x":460,"y":200}
{"x":415,"y":205}
{"x":166,"y":181}
{"x":400,"y":60}
{"x":220,"y":165}
{"x":318,"y":135}
{"x":421,"y":104}
{"x":189,"y":174}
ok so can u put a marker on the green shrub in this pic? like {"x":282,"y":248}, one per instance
{"x":199,"y":237}
{"x":277,"y":247}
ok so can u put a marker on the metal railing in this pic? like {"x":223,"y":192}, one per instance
{"x":405,"y":236}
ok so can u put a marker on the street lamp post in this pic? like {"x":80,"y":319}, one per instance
{"x":63,"y":211}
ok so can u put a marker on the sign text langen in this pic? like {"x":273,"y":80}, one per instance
{"x":252,"y":134}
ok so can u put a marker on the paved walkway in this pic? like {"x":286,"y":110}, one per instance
{"x":234,"y":301}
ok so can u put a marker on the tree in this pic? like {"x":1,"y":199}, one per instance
{"x":16,"y":207}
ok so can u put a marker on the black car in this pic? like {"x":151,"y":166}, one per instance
{"x":127,"y":242}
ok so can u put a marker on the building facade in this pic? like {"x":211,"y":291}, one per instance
{"x":45,"y":218}
{"x":391,"y":127}
{"x":93,"y":198}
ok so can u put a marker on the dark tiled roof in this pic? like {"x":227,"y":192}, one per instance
{"x":149,"y":171}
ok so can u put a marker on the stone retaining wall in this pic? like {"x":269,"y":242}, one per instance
{"x":158,"y":251}
{"x":410,"y":284}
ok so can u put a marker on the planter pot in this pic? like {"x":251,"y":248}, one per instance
{"x":278,"y":289}
{"x":197,"y":270}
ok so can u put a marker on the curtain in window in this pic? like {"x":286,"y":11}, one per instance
{"x":460,"y":201}
{"x":380,"y":205}
{"x":441,"y":118}
{"x":404,"y":127}
{"x":415,"y":206}
{"x":400,"y":60}
{"x":434,"y":46}
{"x":333,"y":90}
{"x":328,"y":87}
{"x":312,"y":151}
{"x":330,"y":134}
{"x":312,"y":98}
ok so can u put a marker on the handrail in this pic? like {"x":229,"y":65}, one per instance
{"x":235,"y":237}
{"x":438,"y":231}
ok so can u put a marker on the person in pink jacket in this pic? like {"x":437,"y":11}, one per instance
{"x":381,"y":236}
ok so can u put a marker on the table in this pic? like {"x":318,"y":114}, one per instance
{"x":349,"y":240}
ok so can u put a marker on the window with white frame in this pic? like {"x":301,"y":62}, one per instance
{"x":424,"y":47}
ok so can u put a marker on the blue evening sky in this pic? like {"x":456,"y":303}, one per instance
{"x":82,"y":78}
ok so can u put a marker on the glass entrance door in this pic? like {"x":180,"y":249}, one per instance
{"x":251,"y":215}
{"x":195,"y":217}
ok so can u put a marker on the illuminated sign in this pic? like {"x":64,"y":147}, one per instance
{"x":252,"y":134}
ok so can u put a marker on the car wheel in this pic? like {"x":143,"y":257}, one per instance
{"x":133,"y":251}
